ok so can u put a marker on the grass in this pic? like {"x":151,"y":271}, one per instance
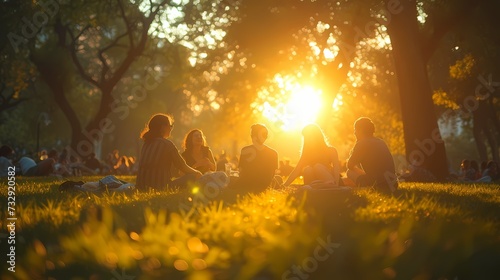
{"x":424,"y":231}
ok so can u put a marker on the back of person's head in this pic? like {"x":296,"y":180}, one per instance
{"x":259,"y":133}
{"x":314,"y":143}
{"x":188,"y":140}
{"x":6,"y":151}
{"x":312,"y":132}
{"x":364,"y":127}
{"x":155,"y":123}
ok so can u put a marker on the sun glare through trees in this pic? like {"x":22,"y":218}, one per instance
{"x":289,"y":104}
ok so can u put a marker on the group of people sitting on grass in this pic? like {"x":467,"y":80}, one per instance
{"x":470,"y":171}
{"x":53,"y":163}
{"x":161,"y":165}
{"x":370,"y":162}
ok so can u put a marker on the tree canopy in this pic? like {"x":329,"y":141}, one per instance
{"x":406,"y":64}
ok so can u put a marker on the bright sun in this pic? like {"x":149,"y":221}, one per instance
{"x":291,"y":105}
{"x":302,"y":108}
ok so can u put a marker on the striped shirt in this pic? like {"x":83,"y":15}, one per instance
{"x":158,"y":155}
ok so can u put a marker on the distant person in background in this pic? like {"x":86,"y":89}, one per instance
{"x":285,"y":168}
{"x":77,"y":168}
{"x":63,"y":157}
{"x":258,"y":162}
{"x":484,"y":166}
{"x":158,"y":155}
{"x":221,"y":162}
{"x":122,"y":167}
{"x":6,"y":153}
{"x":61,"y":165}
{"x":196,"y":152}
{"x":475,"y":166}
{"x":319,"y":163}
{"x":93,"y":163}
{"x":46,"y":167}
{"x":370,"y":162}
{"x":467,"y":173}
{"x":492,"y":171}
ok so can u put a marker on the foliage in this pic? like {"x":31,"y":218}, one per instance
{"x":462,"y":69}
{"x":441,"y":98}
{"x":424,"y":230}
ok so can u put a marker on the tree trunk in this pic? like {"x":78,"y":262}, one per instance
{"x":424,"y":147}
{"x":55,"y":78}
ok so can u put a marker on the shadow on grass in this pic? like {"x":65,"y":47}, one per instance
{"x":409,"y":247}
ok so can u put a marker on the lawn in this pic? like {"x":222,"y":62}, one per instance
{"x":424,"y":231}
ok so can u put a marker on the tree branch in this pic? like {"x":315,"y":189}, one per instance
{"x":127,"y":24}
{"x":105,"y":67}
{"x":5,"y":106}
{"x":73,"y":51}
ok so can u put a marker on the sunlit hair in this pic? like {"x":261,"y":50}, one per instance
{"x":153,"y":128}
{"x":364,"y":126}
{"x":188,"y":140}
{"x":260,"y":132}
{"x":314,"y":145}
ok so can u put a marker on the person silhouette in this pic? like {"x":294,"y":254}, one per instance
{"x":370,"y":162}
{"x":258,"y":162}
{"x":319,"y":163}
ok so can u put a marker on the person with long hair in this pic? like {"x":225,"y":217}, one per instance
{"x":196,"y":152}
{"x":319,"y":163}
{"x":158,"y":155}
